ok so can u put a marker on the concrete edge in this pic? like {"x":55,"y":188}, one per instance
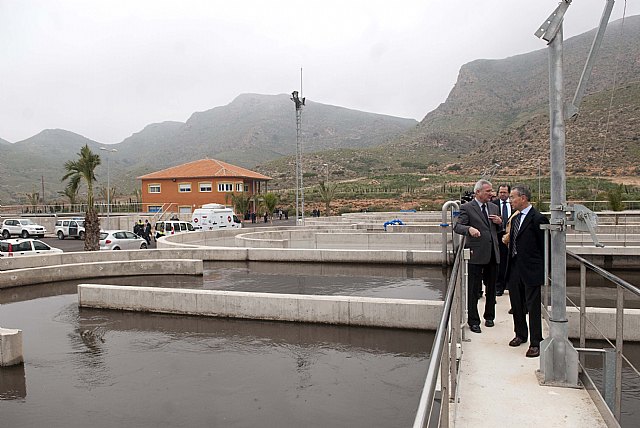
{"x":340,"y":310}
{"x":38,"y":275}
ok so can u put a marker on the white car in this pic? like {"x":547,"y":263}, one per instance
{"x":121,"y":240}
{"x":21,"y":227}
{"x":25,"y":247}
{"x":73,"y":227}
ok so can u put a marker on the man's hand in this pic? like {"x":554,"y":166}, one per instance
{"x":474,"y":232}
{"x":496,"y":219}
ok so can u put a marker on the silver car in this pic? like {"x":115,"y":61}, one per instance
{"x":121,"y":240}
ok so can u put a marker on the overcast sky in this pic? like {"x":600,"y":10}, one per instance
{"x":106,"y":69}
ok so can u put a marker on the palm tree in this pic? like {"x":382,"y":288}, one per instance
{"x":327,"y":193}
{"x":240,"y":203}
{"x":269,"y":202}
{"x":33,"y":198}
{"x":71,"y":193}
{"x":77,"y":171}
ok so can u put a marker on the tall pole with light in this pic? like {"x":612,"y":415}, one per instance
{"x":108,"y":185}
{"x":326,"y":181}
{"x":299,"y":185}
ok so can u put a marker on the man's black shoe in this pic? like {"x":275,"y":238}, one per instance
{"x":475,"y":328}
{"x":489,"y":323}
{"x":516,"y":341}
{"x":499,"y":293}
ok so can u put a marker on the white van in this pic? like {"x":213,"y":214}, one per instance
{"x":171,"y":227}
{"x":214,"y":216}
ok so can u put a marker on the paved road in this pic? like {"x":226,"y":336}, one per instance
{"x":70,"y":244}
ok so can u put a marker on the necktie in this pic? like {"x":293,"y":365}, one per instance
{"x":505,"y":213}
{"x":515,"y":227}
{"x":484,"y":213}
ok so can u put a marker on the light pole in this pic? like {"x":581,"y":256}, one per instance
{"x":108,"y":185}
{"x":299,"y":174}
{"x":326,"y":181}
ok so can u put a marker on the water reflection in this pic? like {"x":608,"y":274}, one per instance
{"x":13,"y":385}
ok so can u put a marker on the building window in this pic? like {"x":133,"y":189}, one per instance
{"x":184,"y":209}
{"x":225,"y":187}
{"x":246,"y":187}
{"x":206,"y":187}
{"x":154,"y":208}
{"x":154,"y":188}
{"x":239,"y":187}
{"x":184,"y":187}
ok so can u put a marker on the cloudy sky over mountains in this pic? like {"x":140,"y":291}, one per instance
{"x":105,"y":69}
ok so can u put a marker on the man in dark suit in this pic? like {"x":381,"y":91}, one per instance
{"x":525,"y":270}
{"x":480,"y":222}
{"x":504,"y":207}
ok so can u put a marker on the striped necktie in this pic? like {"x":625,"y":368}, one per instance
{"x":515,"y":227}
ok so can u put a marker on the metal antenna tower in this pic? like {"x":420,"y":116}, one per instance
{"x":299,"y":185}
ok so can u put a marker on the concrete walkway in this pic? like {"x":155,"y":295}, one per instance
{"x":498,"y":384}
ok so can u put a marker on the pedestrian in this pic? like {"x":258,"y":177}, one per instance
{"x":266,"y":216}
{"x":525,"y":270}
{"x":505,"y":210}
{"x":146,"y":234}
{"x":480,"y":223}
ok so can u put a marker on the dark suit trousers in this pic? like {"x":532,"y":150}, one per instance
{"x":501,"y":280}
{"x":526,"y":298}
{"x":478,"y":274}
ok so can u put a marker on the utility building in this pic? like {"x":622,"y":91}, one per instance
{"x":185,"y":187}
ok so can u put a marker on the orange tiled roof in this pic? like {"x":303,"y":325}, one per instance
{"x":204,"y":168}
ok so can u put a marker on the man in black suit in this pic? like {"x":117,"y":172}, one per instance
{"x":525,"y":270}
{"x":480,"y":221}
{"x":504,"y":208}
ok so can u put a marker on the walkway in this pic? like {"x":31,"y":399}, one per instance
{"x":498,"y":384}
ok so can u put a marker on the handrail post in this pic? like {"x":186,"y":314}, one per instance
{"x":456,"y":330}
{"x":583,"y":309}
{"x":444,"y":225}
{"x":619,"y":345}
{"x":444,"y":381}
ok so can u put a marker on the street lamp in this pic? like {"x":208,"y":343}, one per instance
{"x":326,"y":165}
{"x":108,"y":185}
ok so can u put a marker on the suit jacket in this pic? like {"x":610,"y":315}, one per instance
{"x":481,"y":247}
{"x":528,"y":265}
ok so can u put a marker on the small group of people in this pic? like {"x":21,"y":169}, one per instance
{"x":507,"y":253}
{"x":143,"y":230}
{"x":315,"y":213}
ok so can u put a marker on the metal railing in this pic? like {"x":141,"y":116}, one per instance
{"x":444,"y":351}
{"x":613,"y":357}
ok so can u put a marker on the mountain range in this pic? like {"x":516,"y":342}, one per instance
{"x":497,"y":113}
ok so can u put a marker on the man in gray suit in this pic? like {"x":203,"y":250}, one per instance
{"x":480,"y":222}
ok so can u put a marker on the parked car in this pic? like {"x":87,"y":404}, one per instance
{"x":170,"y":227}
{"x":25,"y":247}
{"x":22,"y":227}
{"x":121,"y":240}
{"x":70,"y":227}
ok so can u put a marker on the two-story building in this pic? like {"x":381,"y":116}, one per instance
{"x":185,"y":187}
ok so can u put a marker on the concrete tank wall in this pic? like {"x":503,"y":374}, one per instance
{"x":360,"y":311}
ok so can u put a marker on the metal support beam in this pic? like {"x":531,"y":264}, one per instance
{"x":558,"y":358}
{"x":572,"y":109}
